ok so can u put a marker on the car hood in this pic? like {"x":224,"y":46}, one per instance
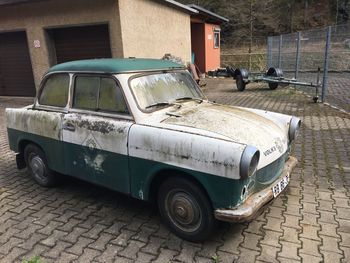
{"x":233,"y":123}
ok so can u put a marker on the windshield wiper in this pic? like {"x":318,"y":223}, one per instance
{"x":190,"y":98}
{"x":157,"y":104}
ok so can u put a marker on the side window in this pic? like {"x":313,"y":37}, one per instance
{"x":216,"y":39}
{"x":98,"y":94}
{"x":86,"y":92}
{"x":55,"y":91}
{"x":111,"y":97}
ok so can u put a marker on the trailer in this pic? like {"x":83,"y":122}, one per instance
{"x":274,"y":78}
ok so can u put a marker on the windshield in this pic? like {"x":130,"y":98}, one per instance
{"x":162,"y":89}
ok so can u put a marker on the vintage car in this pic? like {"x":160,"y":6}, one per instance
{"x":144,"y":128}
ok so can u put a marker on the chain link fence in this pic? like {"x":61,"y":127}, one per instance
{"x":301,"y":54}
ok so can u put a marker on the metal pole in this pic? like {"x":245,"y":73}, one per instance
{"x":269,"y":52}
{"x":325,"y":65}
{"x":279,"y":52}
{"x":297,"y":57}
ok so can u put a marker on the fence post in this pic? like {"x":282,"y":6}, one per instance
{"x":297,"y":57}
{"x":269,"y":52}
{"x":325,"y":65}
{"x":279,"y":51}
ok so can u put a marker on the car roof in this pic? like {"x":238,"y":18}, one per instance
{"x":113,"y":65}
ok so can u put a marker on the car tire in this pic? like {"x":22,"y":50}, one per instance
{"x":186,"y":209}
{"x":37,"y":166}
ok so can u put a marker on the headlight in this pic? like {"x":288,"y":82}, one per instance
{"x":294,"y":128}
{"x":249,"y":161}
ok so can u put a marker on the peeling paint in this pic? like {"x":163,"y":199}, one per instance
{"x":95,"y":163}
{"x":43,"y":123}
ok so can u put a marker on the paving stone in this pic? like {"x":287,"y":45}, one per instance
{"x":254,"y":227}
{"x":345,"y":239}
{"x":123,"y":238}
{"x":310,"y":247}
{"x":67,"y":258}
{"x":37,"y":250}
{"x":342,"y":213}
{"x":94,"y":231}
{"x":79,"y":246}
{"x":165,"y":255}
{"x":88,"y":255}
{"x":329,"y":230}
{"x":73,"y":236}
{"x":290,"y":235}
{"x":153,"y":245}
{"x":292,"y":221}
{"x":251,"y":241}
{"x":268,"y":254}
{"x":271,"y":238}
{"x":232,"y":242}
{"x":310,"y":232}
{"x":13,"y":254}
{"x":327,"y":217}
{"x":143,"y":257}
{"x":247,"y":255}
{"x":32,"y":241}
{"x":289,"y":251}
{"x":52,"y":239}
{"x":55,"y":251}
{"x":332,"y":257}
{"x":101,"y":242}
{"x":310,"y":258}
{"x":273,"y":224}
{"x":187,"y":252}
{"x":131,"y":250}
{"x":109,"y":254}
{"x":330,"y":244}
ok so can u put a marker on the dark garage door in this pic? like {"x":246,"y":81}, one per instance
{"x":86,"y":42}
{"x":16,"y":75}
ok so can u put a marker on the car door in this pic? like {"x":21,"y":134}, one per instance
{"x":95,"y":132}
{"x":43,"y":123}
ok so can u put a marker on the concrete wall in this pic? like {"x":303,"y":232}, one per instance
{"x":37,"y":16}
{"x":151,"y":29}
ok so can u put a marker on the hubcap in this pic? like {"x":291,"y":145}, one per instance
{"x":183,"y":210}
{"x":37,"y":166}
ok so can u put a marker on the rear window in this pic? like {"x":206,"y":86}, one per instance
{"x":55,"y":91}
{"x":98,"y":94}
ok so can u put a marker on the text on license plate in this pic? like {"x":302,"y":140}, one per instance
{"x":280,"y":185}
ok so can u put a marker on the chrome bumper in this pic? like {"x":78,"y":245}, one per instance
{"x":252,"y":206}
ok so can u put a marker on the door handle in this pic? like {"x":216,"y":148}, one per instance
{"x":68,"y":126}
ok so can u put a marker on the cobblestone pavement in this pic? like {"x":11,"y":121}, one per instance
{"x":77,"y":221}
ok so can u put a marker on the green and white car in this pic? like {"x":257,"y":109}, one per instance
{"x":143,"y":127}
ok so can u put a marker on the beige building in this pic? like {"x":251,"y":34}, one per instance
{"x":37,"y":34}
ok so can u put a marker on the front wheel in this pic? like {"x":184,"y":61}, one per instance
{"x":186,"y":209}
{"x":37,"y":166}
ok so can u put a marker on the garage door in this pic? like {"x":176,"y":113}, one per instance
{"x":16,"y":75}
{"x":86,"y":42}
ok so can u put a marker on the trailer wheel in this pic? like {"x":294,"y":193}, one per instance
{"x":274,"y":72}
{"x":239,"y":76}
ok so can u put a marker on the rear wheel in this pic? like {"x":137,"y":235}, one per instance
{"x":37,"y":166}
{"x":186,"y":209}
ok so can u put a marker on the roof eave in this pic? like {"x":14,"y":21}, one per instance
{"x":204,"y":11}
{"x":182,"y":7}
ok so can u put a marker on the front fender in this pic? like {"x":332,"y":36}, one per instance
{"x":213,"y":162}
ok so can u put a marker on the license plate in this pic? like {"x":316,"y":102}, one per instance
{"x":280,"y":185}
